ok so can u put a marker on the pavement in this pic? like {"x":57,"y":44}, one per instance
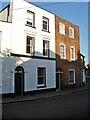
{"x":50,"y":94}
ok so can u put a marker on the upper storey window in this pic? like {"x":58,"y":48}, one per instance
{"x":30,"y":18}
{"x":46,"y":48}
{"x":62,"y":51}
{"x":61,"y":29}
{"x":45,"y":24}
{"x":30,"y":45}
{"x":72,"y":53}
{"x":71,"y":32}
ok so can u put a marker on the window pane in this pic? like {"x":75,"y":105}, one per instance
{"x":30,"y":18}
{"x":41,"y":76}
{"x":71,"y":76}
{"x":30,"y":45}
{"x":40,"y":80}
{"x":45,"y":23}
{"x":45,"y":48}
{"x":71,"y":32}
{"x":62,"y":51}
{"x":28,"y":49}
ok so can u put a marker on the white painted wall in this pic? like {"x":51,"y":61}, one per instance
{"x":3,"y":15}
{"x":19,"y":30}
{"x":6,"y":35}
{"x":14,"y":38}
{"x":30,"y":68}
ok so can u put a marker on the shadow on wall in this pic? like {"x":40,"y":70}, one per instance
{"x":63,"y":65}
{"x":10,"y":63}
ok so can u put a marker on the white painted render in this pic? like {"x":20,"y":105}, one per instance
{"x":13,"y":40}
{"x":20,"y":30}
{"x":5,"y":36}
{"x":30,"y":76}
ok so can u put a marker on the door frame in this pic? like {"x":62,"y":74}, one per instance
{"x":19,"y":69}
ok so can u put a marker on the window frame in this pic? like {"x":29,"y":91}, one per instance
{"x":62,"y":30}
{"x":44,"y":77}
{"x":71,"y":35}
{"x":64,"y":51}
{"x":46,"y":20}
{"x":33,"y":21}
{"x":48,"y":48}
{"x":0,"y":39}
{"x":73,"y":76}
{"x":32,"y":45}
{"x":72,"y":59}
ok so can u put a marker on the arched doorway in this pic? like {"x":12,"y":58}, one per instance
{"x":19,"y":80}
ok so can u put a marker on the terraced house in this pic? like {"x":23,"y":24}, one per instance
{"x":38,"y":50}
{"x":69,"y":61}
{"x":27,"y":49}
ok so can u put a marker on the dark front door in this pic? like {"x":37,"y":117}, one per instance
{"x":19,"y":80}
{"x":57,"y":80}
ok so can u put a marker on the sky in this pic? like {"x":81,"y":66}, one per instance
{"x":75,"y":12}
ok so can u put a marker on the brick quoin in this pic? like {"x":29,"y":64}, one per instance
{"x":65,"y":64}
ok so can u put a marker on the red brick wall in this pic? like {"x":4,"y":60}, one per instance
{"x":66,"y":64}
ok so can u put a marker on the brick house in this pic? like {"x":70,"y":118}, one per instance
{"x":68,"y":58}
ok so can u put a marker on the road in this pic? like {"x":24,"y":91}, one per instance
{"x":66,"y":106}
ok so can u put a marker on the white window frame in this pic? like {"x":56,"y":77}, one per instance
{"x":71,"y":35}
{"x":72,"y":59}
{"x":73,"y":76}
{"x":61,"y":28}
{"x":31,"y":46}
{"x":47,"y":48}
{"x":31,"y":20}
{"x":47,"y":21}
{"x":44,"y":84}
{"x":64,"y":51}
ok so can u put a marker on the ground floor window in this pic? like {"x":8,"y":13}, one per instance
{"x":71,"y":75}
{"x":41,"y":76}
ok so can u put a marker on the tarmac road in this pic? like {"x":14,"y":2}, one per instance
{"x":66,"y":106}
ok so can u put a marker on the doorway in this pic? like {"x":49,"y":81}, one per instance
{"x":57,"y":80}
{"x":19,"y":80}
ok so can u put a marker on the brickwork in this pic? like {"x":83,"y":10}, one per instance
{"x":65,"y":64}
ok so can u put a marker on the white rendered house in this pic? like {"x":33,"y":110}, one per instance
{"x":27,"y":48}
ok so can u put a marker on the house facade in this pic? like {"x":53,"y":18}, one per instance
{"x":27,"y":49}
{"x":68,"y":58}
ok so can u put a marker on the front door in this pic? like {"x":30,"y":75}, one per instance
{"x":19,"y":80}
{"x":57,"y":80}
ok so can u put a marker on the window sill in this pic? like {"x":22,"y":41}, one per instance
{"x":46,"y":56}
{"x":30,"y":26}
{"x":62,"y":34}
{"x":71,"y":83}
{"x":41,"y":86}
{"x":45,"y":31}
{"x":71,"y":37}
{"x":72,"y":60}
